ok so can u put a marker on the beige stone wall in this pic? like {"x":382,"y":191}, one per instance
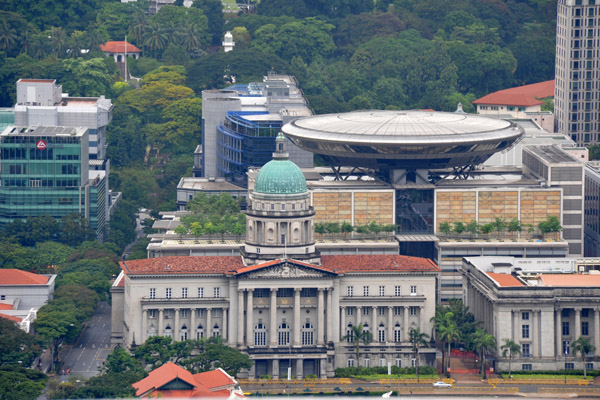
{"x":537,"y":206}
{"x":485,"y":206}
{"x":455,"y":207}
{"x":368,"y":207}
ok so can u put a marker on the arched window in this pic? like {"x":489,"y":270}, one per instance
{"x":183,"y":333}
{"x":260,"y":335}
{"x":152,"y":331}
{"x":199,"y":332}
{"x":307,"y":334}
{"x":349,"y":334}
{"x":397,"y":333}
{"x":216,"y":331}
{"x":366,"y":328}
{"x":381,"y":333}
{"x":168,"y":331}
{"x":284,"y":334}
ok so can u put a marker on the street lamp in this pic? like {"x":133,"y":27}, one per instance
{"x":565,"y":366}
{"x":417,"y":362}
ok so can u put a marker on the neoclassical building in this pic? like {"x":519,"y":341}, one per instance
{"x":281,"y":302}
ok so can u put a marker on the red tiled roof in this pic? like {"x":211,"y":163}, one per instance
{"x":527,"y":95}
{"x":4,"y":306}
{"x":569,"y":280}
{"x":119,"y":47}
{"x":388,"y":262}
{"x":18,"y":277}
{"x":11,"y":318}
{"x":505,"y":280}
{"x":183,"y":265}
{"x":202,"y":383}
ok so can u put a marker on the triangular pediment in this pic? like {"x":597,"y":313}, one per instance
{"x":284,"y":269}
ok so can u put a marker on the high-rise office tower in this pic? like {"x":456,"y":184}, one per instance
{"x":576,"y":99}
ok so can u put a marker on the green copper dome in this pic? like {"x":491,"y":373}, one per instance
{"x":280,"y":177}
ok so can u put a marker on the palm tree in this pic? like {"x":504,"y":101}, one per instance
{"x":510,"y":348}
{"x":189,"y":36}
{"x":357,"y":335}
{"x":584,"y":346}
{"x":485,"y":342}
{"x":138,"y":27}
{"x":8,"y":36}
{"x":417,"y":339}
{"x":155,"y":37}
{"x":447,"y":332}
{"x":58,"y":41}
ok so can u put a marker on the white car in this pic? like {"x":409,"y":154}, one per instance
{"x":440,"y":384}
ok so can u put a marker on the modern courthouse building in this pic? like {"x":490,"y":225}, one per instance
{"x":281,"y":301}
{"x":576,"y":99}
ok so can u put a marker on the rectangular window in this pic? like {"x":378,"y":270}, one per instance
{"x":525,"y":350}
{"x":200,"y":292}
{"x":351,"y":362}
{"x":585,"y":328}
{"x":565,"y":328}
{"x":381,"y":311}
{"x":184,"y":293}
{"x":217,"y":292}
{"x":589,"y":365}
{"x":569,"y":365}
{"x":382,"y":290}
{"x":168,"y":293}
{"x":152,"y":314}
{"x":185,"y":312}
{"x":216,"y":312}
{"x":526,"y":367}
{"x":168,"y":314}
{"x":152,"y":293}
{"x":283,"y":207}
{"x":525,"y":331}
{"x":413,"y":310}
{"x":585,"y":313}
{"x":399,"y":362}
{"x":525,"y":316}
{"x":397,"y":311}
{"x":413,"y":290}
{"x":350,"y":291}
{"x":200,"y":312}
{"x":350,"y":311}
{"x":366,"y":311}
{"x":382,"y":361}
{"x":566,"y":347}
{"x":365,"y":290}
{"x":397,"y":291}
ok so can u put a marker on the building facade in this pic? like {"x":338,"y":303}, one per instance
{"x":281,"y":301}
{"x":592,"y":210}
{"x":576,"y":93}
{"x":543,"y":305}
{"x":45,"y":171}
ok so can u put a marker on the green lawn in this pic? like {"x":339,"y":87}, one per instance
{"x":544,"y":376}
{"x":376,"y":377}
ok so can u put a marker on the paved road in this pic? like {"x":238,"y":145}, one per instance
{"x":87,"y":355}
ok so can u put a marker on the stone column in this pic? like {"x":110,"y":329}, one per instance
{"x":390,"y":323}
{"x":405,"y":335}
{"x":161,"y":322}
{"x":358,"y":315}
{"x":250,"y":318}
{"x":299,"y":369}
{"x":342,"y":328}
{"x":225,"y":334}
{"x":335,"y":312}
{"x":577,"y":323}
{"x":322,"y":368}
{"x":421,"y":319}
{"x":275,"y":369}
{"x":515,"y":325}
{"x":320,"y":317}
{"x":144,"y":326}
{"x":375,"y":330}
{"x":240,"y":322}
{"x":536,"y":333}
{"x":297,"y":319}
{"x":193,"y":326}
{"x":597,"y":330}
{"x":330,"y":313}
{"x":176,"y":325}
{"x":232,"y":315}
{"x":209,"y":323}
{"x":273,"y":318}
{"x":558,"y":332}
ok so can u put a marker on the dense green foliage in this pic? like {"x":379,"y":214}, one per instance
{"x":16,"y":346}
{"x":213,"y":215}
{"x":20,"y":383}
{"x":350,"y":372}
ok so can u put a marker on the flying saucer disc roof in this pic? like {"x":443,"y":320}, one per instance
{"x":394,"y":127}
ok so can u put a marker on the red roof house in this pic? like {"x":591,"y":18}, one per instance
{"x":172,"y":381}
{"x":119,"y":47}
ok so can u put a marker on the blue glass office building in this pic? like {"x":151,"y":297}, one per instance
{"x":245,"y":139}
